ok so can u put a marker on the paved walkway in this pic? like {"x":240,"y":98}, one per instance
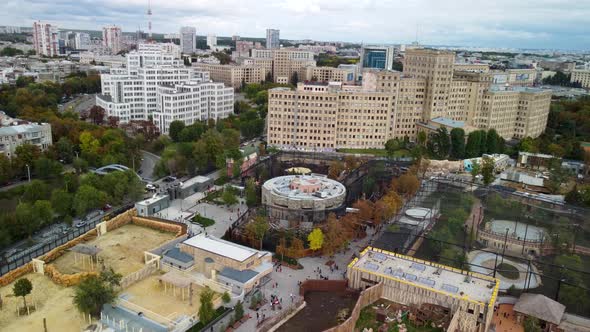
{"x":505,"y":320}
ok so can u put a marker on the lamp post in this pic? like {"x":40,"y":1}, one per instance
{"x":504,"y":249}
{"x":28,"y":171}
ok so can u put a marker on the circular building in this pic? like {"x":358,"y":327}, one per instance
{"x":301,"y":200}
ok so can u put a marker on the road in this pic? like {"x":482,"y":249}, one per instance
{"x":13,"y":185}
{"x":79,"y":104}
{"x":148,"y":164}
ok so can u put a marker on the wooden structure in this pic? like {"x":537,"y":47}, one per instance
{"x":86,"y":254}
{"x":176,"y":281}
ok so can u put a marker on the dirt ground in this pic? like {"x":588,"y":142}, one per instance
{"x":122,"y":249}
{"x":53,"y":303}
{"x":149,"y":294}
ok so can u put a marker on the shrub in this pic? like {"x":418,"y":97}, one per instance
{"x":225,"y":297}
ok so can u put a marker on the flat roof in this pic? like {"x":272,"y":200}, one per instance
{"x":448,"y":122}
{"x":220,"y":247}
{"x":440,"y":278}
{"x":196,"y":179}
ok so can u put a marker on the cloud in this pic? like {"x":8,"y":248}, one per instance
{"x":498,"y":23}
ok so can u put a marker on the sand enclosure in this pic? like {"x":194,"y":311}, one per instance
{"x":122,"y":249}
{"x":53,"y":303}
{"x":149,"y":294}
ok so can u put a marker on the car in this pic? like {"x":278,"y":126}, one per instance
{"x":80,"y":224}
{"x":150,"y":186}
{"x":169,"y":179}
{"x":107,"y":207}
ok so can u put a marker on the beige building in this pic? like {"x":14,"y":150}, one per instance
{"x":233,"y":75}
{"x":391,"y":104}
{"x":582,"y":76}
{"x":284,"y":62}
{"x":329,"y":74}
{"x":474,"y":67}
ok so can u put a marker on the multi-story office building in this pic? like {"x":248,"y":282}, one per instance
{"x":111,"y":38}
{"x":581,"y":76}
{"x":211,"y":41}
{"x":233,"y":75}
{"x":188,"y":40}
{"x":283,"y":63}
{"x":45,"y":39}
{"x":329,"y":74}
{"x":272,"y":38}
{"x":518,"y":77}
{"x":391,"y":104}
{"x":14,"y":133}
{"x":131,"y":93}
{"x":376,"y":57}
{"x":191,"y":102}
{"x":81,"y":41}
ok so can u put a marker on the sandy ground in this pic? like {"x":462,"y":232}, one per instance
{"x":53,"y":303}
{"x":150,"y":295}
{"x":122,"y":249}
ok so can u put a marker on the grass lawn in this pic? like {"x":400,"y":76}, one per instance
{"x":203,"y":221}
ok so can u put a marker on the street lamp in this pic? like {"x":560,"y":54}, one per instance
{"x":504,"y":249}
{"x":28,"y":171}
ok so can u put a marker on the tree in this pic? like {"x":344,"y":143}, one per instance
{"x":335,"y":169}
{"x":421,"y":138}
{"x":22,"y":288}
{"x":206,"y":310}
{"x":80,"y":165}
{"x":493,"y":142}
{"x":225,"y":297}
{"x":238,"y":311}
{"x":96,"y":114}
{"x":5,"y":169}
{"x":176,"y":127}
{"x":315,"y":239}
{"x":251,"y":193}
{"x":294,"y":78}
{"x":487,"y":170}
{"x":473,"y":144}
{"x":439,"y":143}
{"x":257,"y":228}
{"x":88,"y":198}
{"x":334,"y":237}
{"x":228,"y":196}
{"x":46,"y":168}
{"x":65,"y":149}
{"x":61,"y":201}
{"x":42,"y":212}
{"x":531,"y":324}
{"x":457,"y":143}
{"x":392,"y":145}
{"x":351,"y":162}
{"x":557,"y":176}
{"x":92,"y":293}
{"x":407,"y":184}
{"x":25,"y":219}
{"x":475,"y":170}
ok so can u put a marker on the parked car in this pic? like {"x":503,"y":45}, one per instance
{"x":107,"y":207}
{"x":80,"y":224}
{"x":169,"y":179}
{"x":150,"y":187}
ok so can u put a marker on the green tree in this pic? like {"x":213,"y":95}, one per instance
{"x":475,"y":170}
{"x":457,"y":143}
{"x":36,"y":190}
{"x":238,"y":311}
{"x":26,"y":154}
{"x":528,"y":144}
{"x":392,"y":145}
{"x":88,"y":198}
{"x":225,"y":297}
{"x":206,"y":310}
{"x":175,"y":129}
{"x":487,"y":170}
{"x":5,"y":169}
{"x":228,"y":196}
{"x":92,"y":293}
{"x":531,"y":324}
{"x":421,"y":138}
{"x":493,"y":141}
{"x":251,"y":193}
{"x":557,"y":177}
{"x":42,"y":212}
{"x":61,"y":201}
{"x":315,"y":239}
{"x":80,"y":165}
{"x":483,"y":143}
{"x":22,"y":288}
{"x":257,"y":228}
{"x":439,"y":143}
{"x":46,"y":168}
{"x":65,"y":149}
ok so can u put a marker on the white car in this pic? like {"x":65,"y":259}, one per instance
{"x":150,"y":186}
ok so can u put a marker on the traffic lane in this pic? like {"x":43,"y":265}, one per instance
{"x":148,"y":164}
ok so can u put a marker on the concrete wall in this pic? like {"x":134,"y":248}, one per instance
{"x":366,"y":297}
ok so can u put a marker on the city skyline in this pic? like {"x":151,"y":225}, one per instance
{"x":500,"y":24}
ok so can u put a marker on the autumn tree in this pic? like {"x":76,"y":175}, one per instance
{"x":296,"y":248}
{"x":257,"y":228}
{"x":407,"y":184}
{"x":335,"y":169}
{"x":351,"y":162}
{"x":487,"y":170}
{"x":315,"y":239}
{"x":387,"y":207}
{"x":334,"y":236}
{"x":366,"y":209}
{"x":96,"y":114}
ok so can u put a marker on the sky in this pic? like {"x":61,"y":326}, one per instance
{"x":542,"y":24}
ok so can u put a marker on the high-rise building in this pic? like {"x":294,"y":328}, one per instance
{"x":192,"y":101}
{"x":392,"y":104}
{"x":79,"y":41}
{"x":211,"y":41}
{"x":45,"y":39}
{"x":272,"y":38}
{"x":111,"y":38}
{"x":283,"y":63}
{"x":376,"y":57}
{"x":188,"y":40}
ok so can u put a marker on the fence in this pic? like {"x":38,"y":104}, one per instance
{"x":366,"y":297}
{"x":276,"y":321}
{"x":139,"y":275}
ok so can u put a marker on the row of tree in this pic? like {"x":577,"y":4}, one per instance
{"x":442,"y":145}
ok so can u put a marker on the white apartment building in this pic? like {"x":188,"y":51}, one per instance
{"x":191,"y":102}
{"x":111,"y":38}
{"x":272,"y":38}
{"x":45,"y":39}
{"x":81,"y":41}
{"x":211,"y":41}
{"x":188,"y":40}
{"x":14,"y":133}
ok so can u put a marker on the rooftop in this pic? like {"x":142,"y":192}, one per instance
{"x":20,"y":129}
{"x":220,"y":247}
{"x":314,"y":186}
{"x":448,"y":122}
{"x":196,"y":179}
{"x":439,"y":278}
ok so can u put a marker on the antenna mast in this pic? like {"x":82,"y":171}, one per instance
{"x":149,"y":13}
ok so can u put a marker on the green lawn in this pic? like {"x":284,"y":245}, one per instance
{"x":203,"y":221}
{"x":508,"y":271}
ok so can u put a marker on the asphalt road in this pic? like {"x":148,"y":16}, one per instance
{"x":79,"y":104}
{"x":148,"y":164}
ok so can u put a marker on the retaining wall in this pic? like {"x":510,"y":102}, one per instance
{"x":366,"y":297}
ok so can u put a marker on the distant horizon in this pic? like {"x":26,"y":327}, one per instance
{"x":503,"y":24}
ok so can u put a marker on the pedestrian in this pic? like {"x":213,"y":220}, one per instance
{"x":257,"y":315}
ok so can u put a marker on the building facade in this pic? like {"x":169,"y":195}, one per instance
{"x":283,"y":63}
{"x":130,"y":93}
{"x":17,"y":133}
{"x":392,"y":104}
{"x":376,"y":57}
{"x":272,"y":38}
{"x":329,"y":74}
{"x":233,"y":75}
{"x":211,"y":41}
{"x":111,"y":38}
{"x":581,"y":76}
{"x":188,"y":40}
{"x":192,"y":102}
{"x":45,"y":39}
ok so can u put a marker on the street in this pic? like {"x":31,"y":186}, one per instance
{"x":148,"y":164}
{"x":79,"y":103}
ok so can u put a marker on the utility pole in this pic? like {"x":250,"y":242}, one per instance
{"x":504,"y":249}
{"x":29,"y":172}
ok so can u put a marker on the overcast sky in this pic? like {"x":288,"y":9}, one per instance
{"x":559,"y":24}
